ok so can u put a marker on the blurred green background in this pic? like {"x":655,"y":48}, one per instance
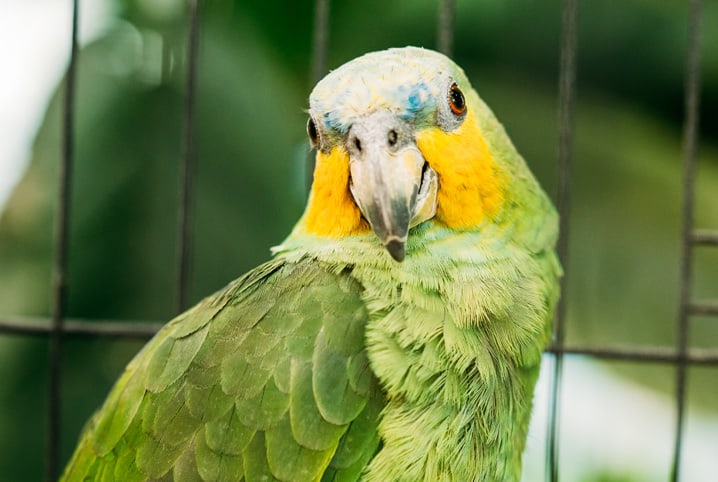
{"x":253,"y":81}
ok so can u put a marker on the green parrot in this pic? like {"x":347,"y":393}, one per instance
{"x":396,"y":335}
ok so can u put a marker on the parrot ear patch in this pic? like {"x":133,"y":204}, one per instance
{"x":312,"y":132}
{"x":457,"y":103}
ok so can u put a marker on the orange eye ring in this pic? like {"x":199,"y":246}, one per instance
{"x":456,"y":100}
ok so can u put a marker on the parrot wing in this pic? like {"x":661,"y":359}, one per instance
{"x":266,"y":380}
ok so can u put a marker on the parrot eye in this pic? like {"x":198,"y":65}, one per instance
{"x":456,"y":100}
{"x":312,"y":132}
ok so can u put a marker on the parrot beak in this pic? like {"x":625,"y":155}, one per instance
{"x":391,"y":182}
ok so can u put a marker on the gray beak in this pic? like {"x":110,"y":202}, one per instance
{"x":391,"y":182}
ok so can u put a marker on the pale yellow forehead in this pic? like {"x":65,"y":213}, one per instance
{"x":405,"y":81}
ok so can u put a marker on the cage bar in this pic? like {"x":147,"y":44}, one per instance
{"x":445,"y":27}
{"x":144,"y":330}
{"x":648,"y":354}
{"x":703,"y":307}
{"x":71,"y":327}
{"x":320,"y":40}
{"x":705,"y":237}
{"x":187,"y":161}
{"x":566,"y":116}
{"x":320,"y":47}
{"x":59,"y":282}
{"x":690,"y":148}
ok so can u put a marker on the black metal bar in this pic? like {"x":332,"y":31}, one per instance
{"x":705,"y":237}
{"x":567,"y":100}
{"x":59,"y":285}
{"x":187,"y":161}
{"x":34,"y":326}
{"x":445,"y":29}
{"x":709,"y":307}
{"x":649,"y":354}
{"x":142,"y":330}
{"x":690,"y":147}
{"x":320,"y":40}
{"x":320,"y":47}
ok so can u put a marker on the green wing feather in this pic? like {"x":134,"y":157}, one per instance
{"x":265,"y":380}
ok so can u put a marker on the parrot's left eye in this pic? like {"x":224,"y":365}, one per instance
{"x":312,"y":132}
{"x":456,"y":100}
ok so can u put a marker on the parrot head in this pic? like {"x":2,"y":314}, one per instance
{"x":399,"y":142}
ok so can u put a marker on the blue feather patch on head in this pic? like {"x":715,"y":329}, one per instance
{"x":408,"y":82}
{"x":418,"y":102}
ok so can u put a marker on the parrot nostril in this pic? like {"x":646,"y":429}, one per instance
{"x":393,"y":136}
{"x":424,"y":169}
{"x":357,"y":144}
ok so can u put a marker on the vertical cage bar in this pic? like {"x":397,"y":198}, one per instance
{"x":445,"y":27}
{"x":187,"y":160}
{"x":320,"y":48}
{"x":690,"y":148}
{"x":566,"y":116}
{"x":320,"y":40}
{"x":59,"y":286}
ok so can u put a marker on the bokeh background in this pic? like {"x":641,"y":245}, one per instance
{"x":253,"y":81}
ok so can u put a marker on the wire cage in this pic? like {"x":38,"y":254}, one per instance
{"x":58,"y":328}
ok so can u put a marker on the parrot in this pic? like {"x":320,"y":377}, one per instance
{"x":396,"y":334}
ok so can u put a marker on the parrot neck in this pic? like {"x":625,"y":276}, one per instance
{"x":454,"y":336}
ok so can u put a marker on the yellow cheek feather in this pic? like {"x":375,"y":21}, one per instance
{"x":331,"y":210}
{"x":470,"y":185}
